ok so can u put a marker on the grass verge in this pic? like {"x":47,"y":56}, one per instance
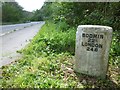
{"x":48,"y":63}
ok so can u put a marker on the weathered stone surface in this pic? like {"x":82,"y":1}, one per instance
{"x":92,"y":49}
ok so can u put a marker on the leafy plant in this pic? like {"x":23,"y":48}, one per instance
{"x":115,"y":50}
{"x":52,"y":39}
{"x":47,"y":62}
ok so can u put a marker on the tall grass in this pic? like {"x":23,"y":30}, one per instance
{"x":52,"y":39}
{"x":48,"y":61}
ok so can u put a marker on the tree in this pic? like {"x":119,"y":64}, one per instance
{"x":11,"y":12}
{"x":76,"y":13}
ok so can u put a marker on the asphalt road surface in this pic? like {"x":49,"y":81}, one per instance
{"x":11,"y":28}
{"x":13,"y":40}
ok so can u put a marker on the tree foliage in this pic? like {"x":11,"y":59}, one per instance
{"x":76,"y":13}
{"x":13,"y":12}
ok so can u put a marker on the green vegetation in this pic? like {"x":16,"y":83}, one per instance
{"x":13,"y":13}
{"x":52,"y":39}
{"x":48,"y":60}
{"x":115,"y":50}
{"x":48,"y":63}
{"x":76,"y":13}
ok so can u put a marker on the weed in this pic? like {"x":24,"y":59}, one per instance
{"x":48,"y":61}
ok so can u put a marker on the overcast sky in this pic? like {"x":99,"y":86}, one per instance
{"x":30,"y":5}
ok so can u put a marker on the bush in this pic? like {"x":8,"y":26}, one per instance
{"x":45,"y":65}
{"x":115,"y":50}
{"x":52,"y":39}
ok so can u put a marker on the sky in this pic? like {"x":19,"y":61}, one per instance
{"x":30,"y":5}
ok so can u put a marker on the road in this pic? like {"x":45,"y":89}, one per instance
{"x":11,"y":42}
{"x":11,"y":28}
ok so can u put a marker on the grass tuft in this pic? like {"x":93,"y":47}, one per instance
{"x":48,"y":61}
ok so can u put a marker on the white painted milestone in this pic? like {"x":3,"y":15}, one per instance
{"x":92,"y":49}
